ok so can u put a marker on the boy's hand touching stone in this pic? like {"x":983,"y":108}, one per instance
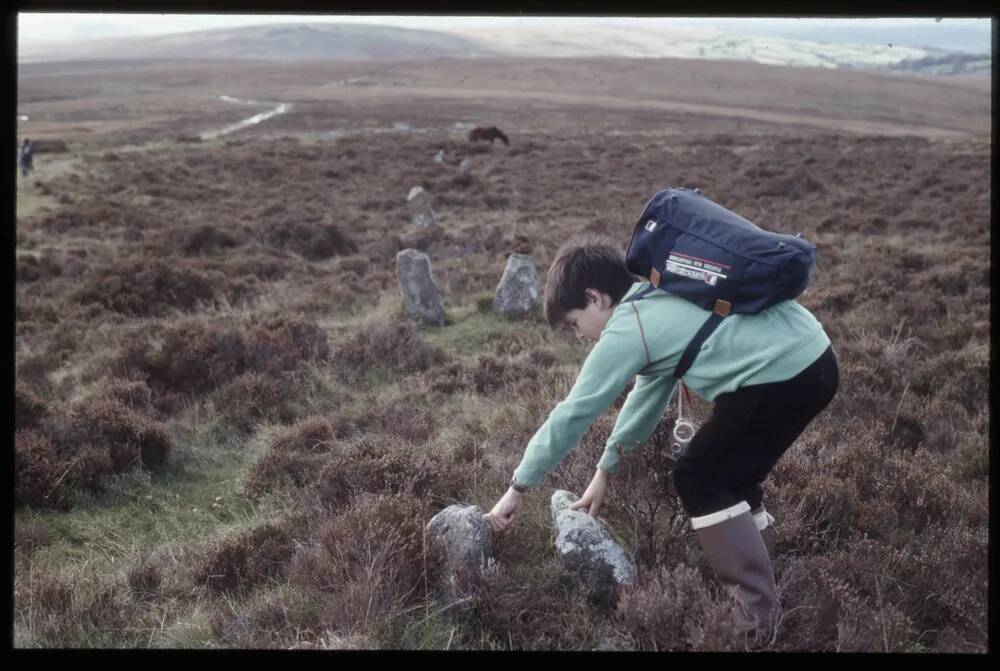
{"x":502,"y":516}
{"x":593,"y":498}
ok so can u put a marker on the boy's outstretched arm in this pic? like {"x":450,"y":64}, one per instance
{"x":638,"y":418}
{"x":615,"y":359}
{"x":636,"y":422}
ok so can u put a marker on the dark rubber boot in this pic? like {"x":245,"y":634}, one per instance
{"x":736,"y":552}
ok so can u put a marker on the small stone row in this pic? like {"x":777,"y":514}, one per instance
{"x":516,"y":295}
{"x":583,"y":546}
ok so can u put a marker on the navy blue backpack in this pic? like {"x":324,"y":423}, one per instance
{"x":693,"y":248}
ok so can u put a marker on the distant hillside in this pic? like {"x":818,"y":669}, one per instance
{"x":942,"y":37}
{"x":357,"y":42}
{"x":949,"y":64}
{"x":285,"y":42}
{"x":707,"y":44}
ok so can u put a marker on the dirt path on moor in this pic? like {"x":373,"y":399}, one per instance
{"x":827,"y":123}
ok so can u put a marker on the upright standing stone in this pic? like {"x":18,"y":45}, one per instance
{"x":467,"y":541}
{"x":585,"y":547}
{"x":420,"y":207}
{"x":465,"y":167}
{"x":517,"y":293}
{"x":439,"y":157}
{"x":421,"y":297}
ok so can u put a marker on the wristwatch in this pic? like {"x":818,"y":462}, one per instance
{"x":517,"y":486}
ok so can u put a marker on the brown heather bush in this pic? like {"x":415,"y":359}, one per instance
{"x":149,"y":287}
{"x":95,"y":439}
{"x":44,"y":474}
{"x":296,"y":456}
{"x":130,"y":438}
{"x":59,"y":610}
{"x":397,"y":346}
{"x":403,"y":418}
{"x":252,"y":398}
{"x":540,"y":609}
{"x":208,"y":239}
{"x":276,"y":470}
{"x":672,"y":609}
{"x":382,"y":465}
{"x":846,"y":600}
{"x":27,"y":268}
{"x":490,"y":376}
{"x":447,"y":379}
{"x":358,"y":265}
{"x":285,"y":343}
{"x":382,"y":251}
{"x":650,"y":510}
{"x":198,"y":356}
{"x":869,"y":485}
{"x":29,"y":410}
{"x":314,"y":241}
{"x":33,"y":371}
{"x":134,"y":394}
{"x":247,"y":559}
{"x":370,"y":563}
{"x":945,"y":579}
{"x":144,"y":581}
{"x":285,"y":619}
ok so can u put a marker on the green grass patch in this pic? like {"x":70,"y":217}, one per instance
{"x":198,"y":497}
{"x":473,"y":331}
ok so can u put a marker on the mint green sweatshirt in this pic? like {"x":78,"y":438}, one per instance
{"x":644,"y":339}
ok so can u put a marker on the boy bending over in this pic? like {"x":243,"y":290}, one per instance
{"x":768,"y":374}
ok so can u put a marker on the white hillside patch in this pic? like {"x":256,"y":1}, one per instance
{"x":575,"y":42}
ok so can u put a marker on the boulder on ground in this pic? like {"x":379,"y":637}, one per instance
{"x":420,"y":207}
{"x":517,"y":293}
{"x":585,"y":547}
{"x":421,"y":297}
{"x":467,"y":542}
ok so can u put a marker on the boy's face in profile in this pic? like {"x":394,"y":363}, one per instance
{"x":588,"y":323}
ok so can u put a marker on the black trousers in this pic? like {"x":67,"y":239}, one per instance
{"x":748,"y":431}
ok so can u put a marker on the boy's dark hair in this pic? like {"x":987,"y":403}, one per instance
{"x":584,"y":263}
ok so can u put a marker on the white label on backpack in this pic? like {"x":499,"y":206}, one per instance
{"x":696,"y":269}
{"x":650,"y":225}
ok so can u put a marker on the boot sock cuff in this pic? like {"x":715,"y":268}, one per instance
{"x":720,"y":516}
{"x":763,"y":519}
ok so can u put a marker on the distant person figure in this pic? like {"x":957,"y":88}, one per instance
{"x":491,"y":133}
{"x":27,"y":156}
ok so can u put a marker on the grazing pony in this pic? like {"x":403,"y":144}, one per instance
{"x":491,"y":133}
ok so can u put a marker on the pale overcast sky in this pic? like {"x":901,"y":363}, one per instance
{"x":38,"y":28}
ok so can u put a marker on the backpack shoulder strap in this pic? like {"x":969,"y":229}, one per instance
{"x":707,"y":328}
{"x":639,"y":295}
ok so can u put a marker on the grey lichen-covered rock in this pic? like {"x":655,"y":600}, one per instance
{"x":439,"y":157}
{"x":585,"y":547}
{"x":467,"y":542}
{"x":421,"y":297}
{"x":465,"y":167}
{"x":420,"y":207}
{"x":517,"y":293}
